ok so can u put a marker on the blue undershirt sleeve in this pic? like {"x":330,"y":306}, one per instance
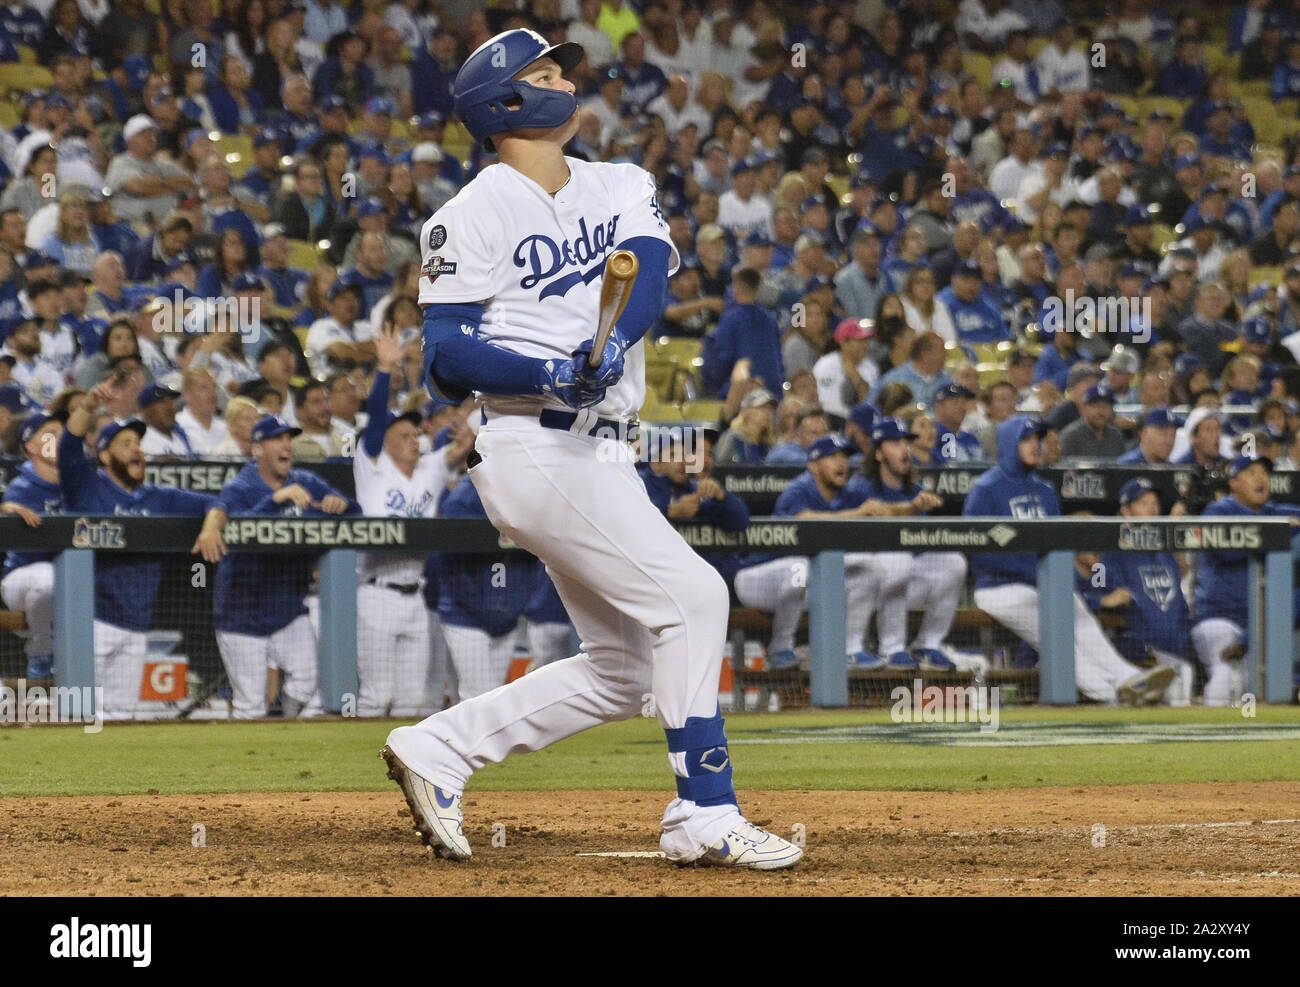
{"x":457,"y":362}
{"x":647,"y":299}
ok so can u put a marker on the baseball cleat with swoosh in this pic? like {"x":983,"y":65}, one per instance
{"x":746,"y":845}
{"x":437,"y":813}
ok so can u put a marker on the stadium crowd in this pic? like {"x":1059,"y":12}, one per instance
{"x":1015,"y":232}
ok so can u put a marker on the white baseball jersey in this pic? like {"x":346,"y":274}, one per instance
{"x":383,"y":490}
{"x":536,"y":262}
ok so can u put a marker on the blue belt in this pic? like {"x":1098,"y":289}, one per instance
{"x":610,"y":428}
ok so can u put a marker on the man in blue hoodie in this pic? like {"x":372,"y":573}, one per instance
{"x":1221,"y":601}
{"x":1006,"y":584}
{"x":28,"y":581}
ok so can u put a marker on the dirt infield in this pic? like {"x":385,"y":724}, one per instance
{"x":1159,"y":840}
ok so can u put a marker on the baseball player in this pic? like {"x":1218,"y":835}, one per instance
{"x":779,"y":585}
{"x":511,"y":289}
{"x":28,"y":580}
{"x":1006,"y":584}
{"x":260,"y":613}
{"x":936,"y":578}
{"x":480,"y":600}
{"x":1221,"y":604}
{"x":394,"y":637}
{"x":126,"y":583}
{"x":1156,"y":608}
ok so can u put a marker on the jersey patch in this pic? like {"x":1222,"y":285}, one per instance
{"x":437,"y":237}
{"x":435,"y":267}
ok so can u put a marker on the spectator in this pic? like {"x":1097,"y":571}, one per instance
{"x":1081,"y":377}
{"x":952,"y":445}
{"x":745,"y":331}
{"x":241,"y":415}
{"x":860,"y":283}
{"x":1155,"y":440}
{"x":317,"y":438}
{"x":810,"y":426}
{"x":145,"y":185}
{"x":748,"y":440}
{"x":1093,"y":434}
{"x":847,"y":375}
{"x":922,"y":373}
{"x":305,"y":213}
{"x":164,"y":438}
{"x":343,"y":337}
{"x":198,"y":420}
{"x":974,"y":316}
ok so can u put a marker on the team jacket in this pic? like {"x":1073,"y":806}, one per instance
{"x":258,"y":593}
{"x":730,"y":513}
{"x":1008,"y":490}
{"x":126,"y":583}
{"x":1221,"y":575}
{"x":1158,"y":616}
{"x":42,"y":497}
{"x":802,"y":495}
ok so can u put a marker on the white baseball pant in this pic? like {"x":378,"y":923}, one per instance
{"x":481,"y":660}
{"x":30,"y":588}
{"x":937,"y":581}
{"x":393,"y":654}
{"x":1099,"y":670}
{"x":778,"y":587}
{"x":441,"y":686}
{"x":1227,"y":680}
{"x":651,"y":613}
{"x":1179,"y":692}
{"x":119,"y":668}
{"x":548,"y":642}
{"x":876,"y":582}
{"x":249,"y":658}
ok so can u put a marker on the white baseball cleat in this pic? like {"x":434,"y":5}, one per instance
{"x":1148,"y":688}
{"x":745,"y":845}
{"x":437,"y":814}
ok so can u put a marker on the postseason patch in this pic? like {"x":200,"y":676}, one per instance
{"x":437,"y":237}
{"x":436,"y":266}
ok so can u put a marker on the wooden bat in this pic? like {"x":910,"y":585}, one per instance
{"x":615,"y":289}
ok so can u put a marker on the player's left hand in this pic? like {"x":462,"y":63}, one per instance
{"x":211,"y":546}
{"x":332,"y":504}
{"x":610,"y":370}
{"x":711,"y":489}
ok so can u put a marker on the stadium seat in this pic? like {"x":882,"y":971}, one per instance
{"x":456,"y":140}
{"x":980,"y":66}
{"x":1258,"y":89}
{"x":15,"y":75}
{"x":237,"y":151}
{"x":1265,"y":275}
{"x":659,"y":377}
{"x":1161,"y":236}
{"x":303,"y":255}
{"x":702,"y":411}
{"x":1217,"y":60}
{"x":682,"y":352}
{"x":1176,"y":107}
{"x":301,"y":333}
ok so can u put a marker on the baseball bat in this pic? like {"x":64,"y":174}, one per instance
{"x":615,"y":289}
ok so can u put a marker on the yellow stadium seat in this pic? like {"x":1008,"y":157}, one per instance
{"x":8,"y":115}
{"x":980,"y":66}
{"x":1131,"y":106}
{"x":702,"y":411}
{"x":303,"y":255}
{"x":26,"y":56}
{"x":657,"y":410}
{"x":237,"y":151}
{"x":1218,"y":60}
{"x":301,"y":333}
{"x":15,"y":75}
{"x":1036,"y":45}
{"x":1257,"y":88}
{"x":682,"y":352}
{"x":456,"y":139}
{"x":1265,"y":275}
{"x":1161,"y":235}
{"x":1175,"y":107}
{"x":659,"y":377}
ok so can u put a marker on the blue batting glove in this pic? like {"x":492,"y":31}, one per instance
{"x":561,"y":379}
{"x":610,"y":370}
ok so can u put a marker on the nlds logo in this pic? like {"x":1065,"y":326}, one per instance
{"x":102,"y":534}
{"x":1218,"y":536}
{"x":1140,"y":538}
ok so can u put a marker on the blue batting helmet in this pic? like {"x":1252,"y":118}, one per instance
{"x":489,"y":100}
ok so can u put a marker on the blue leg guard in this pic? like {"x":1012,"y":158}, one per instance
{"x":703,"y":741}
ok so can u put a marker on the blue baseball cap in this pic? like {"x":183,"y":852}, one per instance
{"x":248,"y":281}
{"x":35,"y":259}
{"x":1198,"y":223}
{"x":1100,"y":391}
{"x":138,"y":69}
{"x":952,"y":391}
{"x":829,"y":445}
{"x":970,"y":267}
{"x":1242,"y":462}
{"x":11,"y":397}
{"x":1138,"y":215}
{"x":154,"y":391}
{"x":815,"y":283}
{"x":180,"y":260}
{"x":1134,"y":269}
{"x":331,"y":103}
{"x":864,"y":415}
{"x":1186,"y":161}
{"x":811,"y":202}
{"x":1257,"y":330}
{"x":31,"y":425}
{"x":369,"y":206}
{"x":431,"y":118}
{"x":890,"y":428}
{"x":380,"y":104}
{"x":375,"y":151}
{"x":342,"y":285}
{"x":265,"y":137}
{"x":111,"y":431}
{"x":744,"y":164}
{"x":1161,"y":418}
{"x":1056,"y":149}
{"x":1134,"y":489}
{"x":757,"y":239}
{"x":271,"y":426}
{"x":1186,"y":364}
{"x":393,"y":417}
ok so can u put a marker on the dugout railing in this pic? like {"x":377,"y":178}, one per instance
{"x":1269,"y":542}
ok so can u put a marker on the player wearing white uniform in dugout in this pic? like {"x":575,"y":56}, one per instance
{"x":401,"y":652}
{"x":511,"y":286}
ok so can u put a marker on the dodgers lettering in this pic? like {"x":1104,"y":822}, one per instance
{"x":546,"y":259}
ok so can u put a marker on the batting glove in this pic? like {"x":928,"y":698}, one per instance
{"x":560,"y":379}
{"x":610,"y":370}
